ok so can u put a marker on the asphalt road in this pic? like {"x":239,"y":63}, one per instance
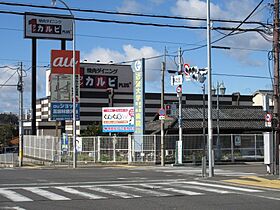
{"x":135,"y":188}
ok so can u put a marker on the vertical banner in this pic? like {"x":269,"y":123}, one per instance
{"x":138,"y":68}
{"x":61,"y":84}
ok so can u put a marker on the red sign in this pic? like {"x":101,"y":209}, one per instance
{"x":268,"y":117}
{"x":179,"y":89}
{"x":62,"y":61}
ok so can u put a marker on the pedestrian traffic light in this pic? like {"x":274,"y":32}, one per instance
{"x":167,"y":109}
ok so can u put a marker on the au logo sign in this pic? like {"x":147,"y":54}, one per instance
{"x":62,"y":61}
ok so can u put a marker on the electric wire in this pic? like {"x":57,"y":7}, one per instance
{"x":135,"y":23}
{"x":229,"y":34}
{"x":128,"y":13}
{"x":2,"y":85}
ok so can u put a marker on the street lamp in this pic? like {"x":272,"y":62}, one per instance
{"x":221,"y":89}
{"x":74,"y":84}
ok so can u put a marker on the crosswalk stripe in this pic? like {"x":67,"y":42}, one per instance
{"x":145,"y":191}
{"x":203,"y":188}
{"x":13,"y":196}
{"x":46,"y":194}
{"x":224,"y":186}
{"x":77,"y":192}
{"x":185,"y":192}
{"x":113,"y":192}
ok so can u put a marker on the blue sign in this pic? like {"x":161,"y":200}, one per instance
{"x":138,"y":68}
{"x":64,"y":111}
{"x":118,"y":128}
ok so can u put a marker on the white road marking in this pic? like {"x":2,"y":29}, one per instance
{"x":46,"y":194}
{"x":16,"y":186}
{"x":83,"y":194}
{"x":145,"y":191}
{"x":13,"y":196}
{"x":202,"y":188}
{"x":224,"y":186}
{"x":14,"y":208}
{"x":185,"y":192}
{"x":113,"y":192}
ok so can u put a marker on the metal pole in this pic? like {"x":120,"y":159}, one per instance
{"x":74,"y":87}
{"x":74,"y":97}
{"x":162,"y":121}
{"x":20,"y":117}
{"x":218,"y":123}
{"x":210,"y":128}
{"x":63,"y":47}
{"x":33,"y":94}
{"x":180,"y":147}
{"x":203,"y":162}
{"x":276,"y":79}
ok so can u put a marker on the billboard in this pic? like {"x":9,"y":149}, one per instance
{"x":103,"y":76}
{"x":64,"y":111}
{"x":139,"y":101}
{"x":62,"y":61}
{"x":118,"y":119}
{"x":48,"y":26}
{"x":61,"y":84}
{"x":61,"y":87}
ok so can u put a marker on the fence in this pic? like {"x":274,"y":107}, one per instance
{"x":9,"y":159}
{"x":46,"y":148}
{"x":230,"y":147}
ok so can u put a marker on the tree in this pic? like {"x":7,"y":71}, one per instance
{"x":92,"y":130}
{"x":8,"y":128}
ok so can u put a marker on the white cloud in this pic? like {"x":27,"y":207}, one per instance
{"x":128,"y":53}
{"x":230,"y":9}
{"x":129,"y":6}
{"x":8,"y":94}
{"x":196,"y":8}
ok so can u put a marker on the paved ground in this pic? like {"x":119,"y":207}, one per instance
{"x":152,"y":187}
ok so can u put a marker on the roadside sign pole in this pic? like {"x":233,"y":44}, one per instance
{"x":180,"y":153}
{"x":162,"y":160}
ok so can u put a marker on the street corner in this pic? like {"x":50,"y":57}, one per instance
{"x":256,"y":181}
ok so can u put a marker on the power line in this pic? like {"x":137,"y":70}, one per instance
{"x":129,"y":13}
{"x":145,"y":40}
{"x":242,"y":75}
{"x":4,"y":84}
{"x":135,"y":23}
{"x":231,"y":33}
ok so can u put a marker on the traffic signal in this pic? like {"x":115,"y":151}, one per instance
{"x":167,"y":109}
{"x":195,"y":73}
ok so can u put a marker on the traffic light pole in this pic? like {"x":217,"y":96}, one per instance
{"x":276,"y":83}
{"x":179,"y":143}
{"x":162,"y":147}
{"x":20,"y":89}
{"x":210,"y":128}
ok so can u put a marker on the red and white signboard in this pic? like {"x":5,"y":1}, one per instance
{"x":48,"y":26}
{"x":62,"y":61}
{"x":268,"y":119}
{"x":179,"y":89}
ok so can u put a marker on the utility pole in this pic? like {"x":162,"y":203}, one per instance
{"x":276,"y":82}
{"x":162,"y":146}
{"x":179,"y":95}
{"x":210,"y":126}
{"x":20,"y":89}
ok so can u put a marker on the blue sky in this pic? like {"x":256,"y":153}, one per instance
{"x":108,"y":41}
